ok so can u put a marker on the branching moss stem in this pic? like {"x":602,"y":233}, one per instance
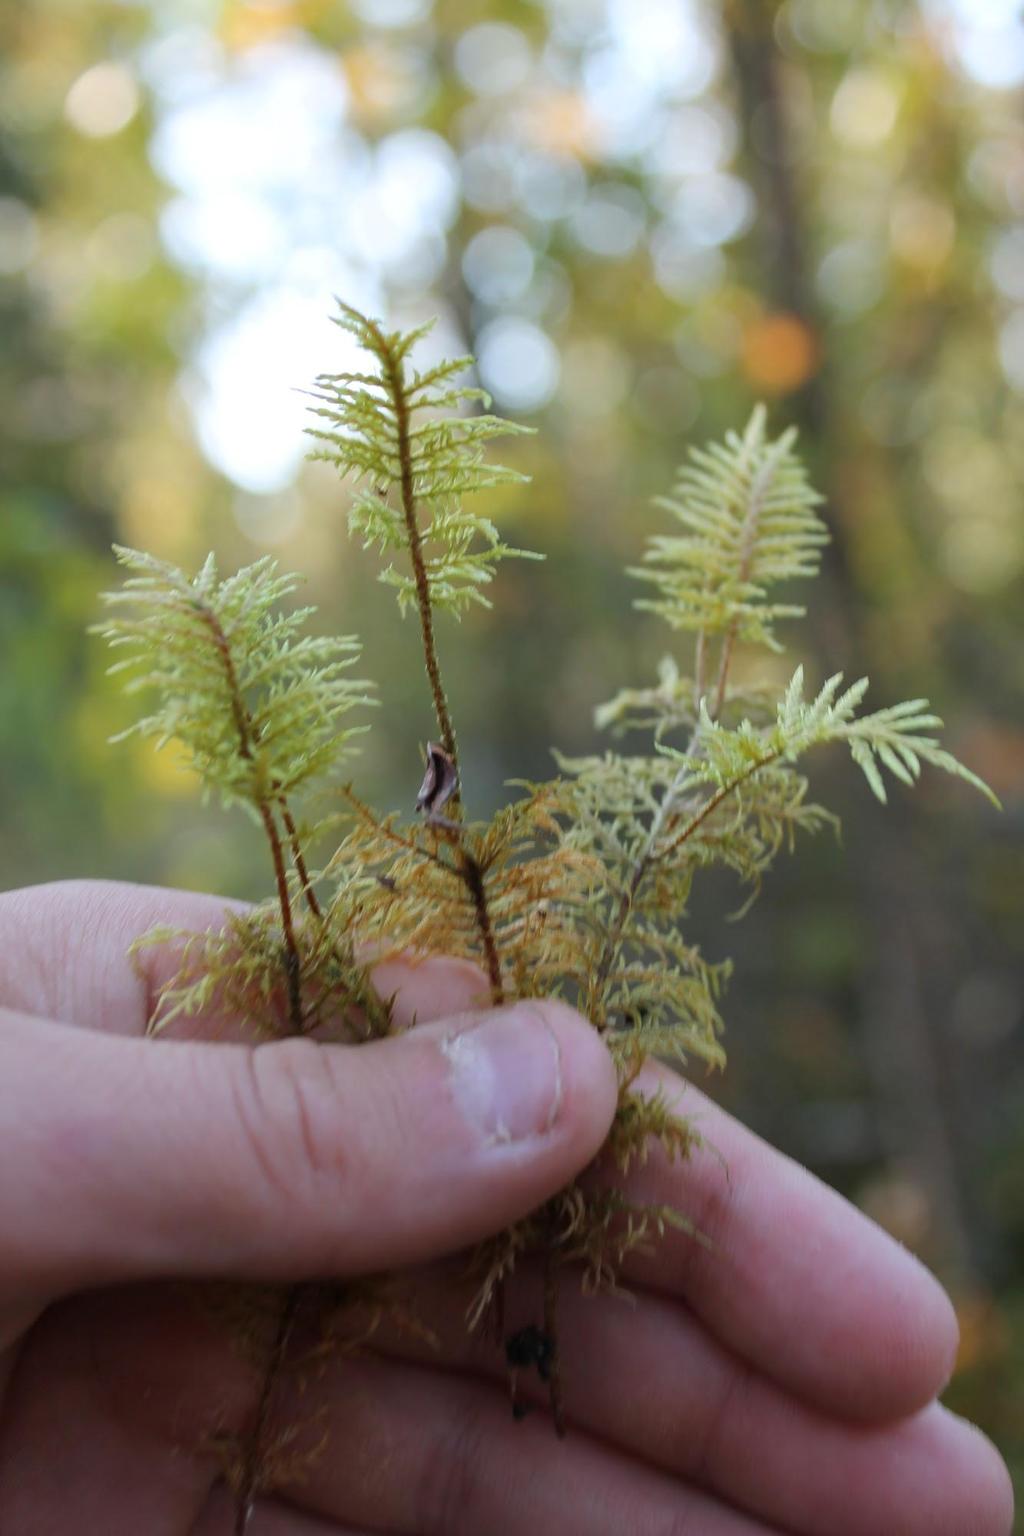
{"x":469,"y":869}
{"x":243,"y":725}
{"x":396,"y":385}
{"x":712,"y":804}
{"x":748,"y":543}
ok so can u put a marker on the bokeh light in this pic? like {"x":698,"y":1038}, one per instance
{"x":102,"y":101}
{"x":518,"y":364}
{"x":493,"y":58}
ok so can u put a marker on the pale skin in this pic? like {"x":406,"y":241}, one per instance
{"x":782,"y":1380}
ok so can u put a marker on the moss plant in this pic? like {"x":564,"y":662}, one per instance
{"x":578,"y":888}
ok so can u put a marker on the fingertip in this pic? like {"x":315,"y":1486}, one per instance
{"x":798,"y":1280}
{"x":968,"y":1490}
{"x":926,"y":1340}
{"x":900,"y":1332}
{"x":998,"y":1496}
{"x":492,"y":1113}
{"x":994,"y":1501}
{"x":430,"y":990}
{"x":533,"y":1083}
{"x":590,"y":1087}
{"x":429,"y":987}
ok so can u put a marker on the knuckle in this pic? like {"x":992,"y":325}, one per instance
{"x":286,"y":1103}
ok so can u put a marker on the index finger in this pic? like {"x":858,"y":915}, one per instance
{"x":791,"y":1276}
{"x":65,"y":955}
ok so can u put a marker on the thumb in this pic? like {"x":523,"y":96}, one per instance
{"x":127,"y":1158}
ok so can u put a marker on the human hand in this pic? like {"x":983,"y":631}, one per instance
{"x":780,"y":1382}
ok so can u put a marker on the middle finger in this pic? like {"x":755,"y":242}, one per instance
{"x":644,"y":1374}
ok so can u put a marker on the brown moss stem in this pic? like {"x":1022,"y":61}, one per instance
{"x":468,"y":866}
{"x":244,"y":727}
{"x":292,"y":962}
{"x":249,"y":1484}
{"x":396,"y":387}
{"x":473,"y":876}
{"x":298,"y":859}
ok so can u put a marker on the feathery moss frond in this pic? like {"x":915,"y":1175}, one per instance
{"x":895,"y":737}
{"x":256,"y":704}
{"x":748,"y":513}
{"x":416,"y":452}
{"x":409,"y":440}
{"x":731,"y":796}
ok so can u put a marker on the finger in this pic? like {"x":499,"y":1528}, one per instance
{"x":149,"y":1157}
{"x":162,"y":1378}
{"x":79,"y":1453}
{"x":269,"y":1518}
{"x":791,"y":1277}
{"x":65,"y":949}
{"x":643,"y":1375}
{"x":123,"y":1392}
{"x":430,"y":987}
{"x":424,"y":1451}
{"x":66,"y":957}
{"x":116,"y":1407}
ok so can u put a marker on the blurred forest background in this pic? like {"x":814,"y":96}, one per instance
{"x":642,"y":215}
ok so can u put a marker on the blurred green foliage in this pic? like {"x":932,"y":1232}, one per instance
{"x":642,"y":217}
